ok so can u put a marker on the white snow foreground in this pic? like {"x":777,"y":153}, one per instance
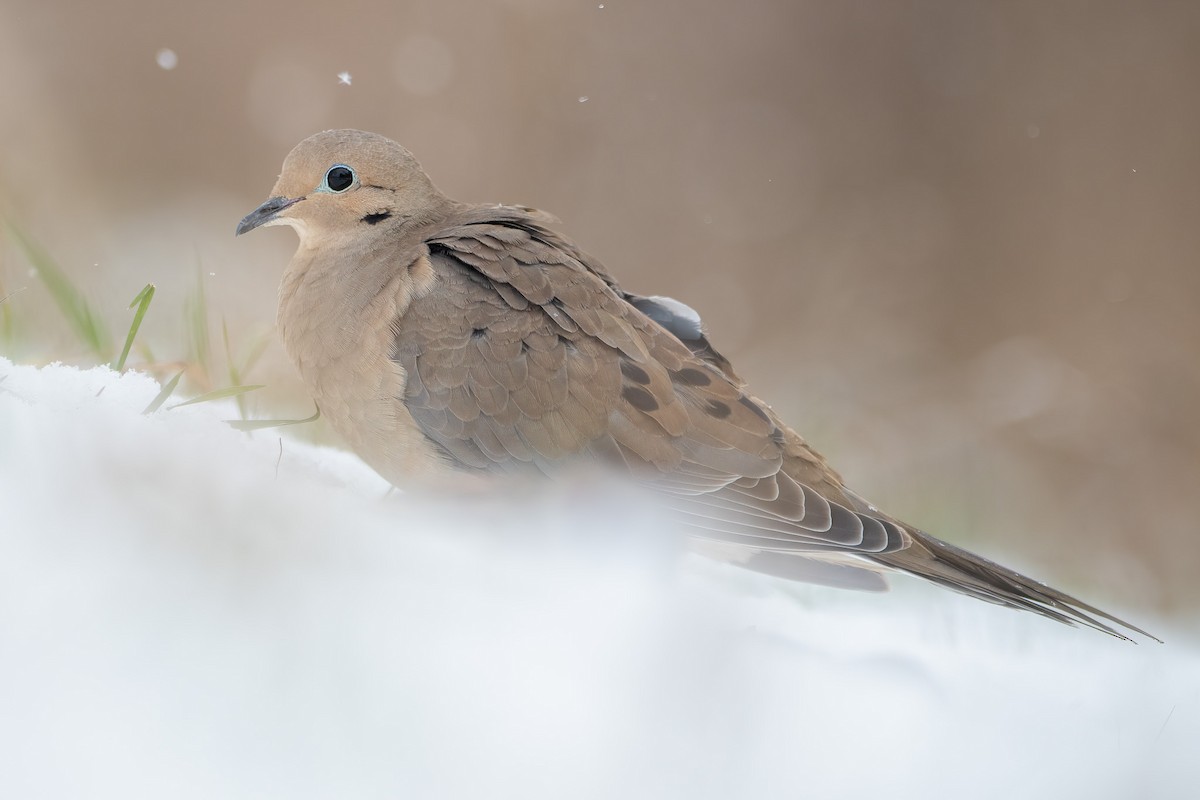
{"x":187,"y":613}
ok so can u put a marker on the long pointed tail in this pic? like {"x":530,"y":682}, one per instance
{"x":955,"y":568}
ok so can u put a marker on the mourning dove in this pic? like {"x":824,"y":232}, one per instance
{"x":442,"y":337}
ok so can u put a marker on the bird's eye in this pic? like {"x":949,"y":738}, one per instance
{"x":339,"y":178}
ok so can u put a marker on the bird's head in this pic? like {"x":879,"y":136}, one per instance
{"x":345,"y":183}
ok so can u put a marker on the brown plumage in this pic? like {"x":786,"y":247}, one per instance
{"x":438,"y":336}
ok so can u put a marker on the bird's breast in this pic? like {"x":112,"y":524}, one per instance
{"x":338,"y":329}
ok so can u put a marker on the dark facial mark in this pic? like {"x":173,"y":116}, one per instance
{"x":376,"y":218}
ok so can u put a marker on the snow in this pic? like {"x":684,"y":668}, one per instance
{"x":188,"y":611}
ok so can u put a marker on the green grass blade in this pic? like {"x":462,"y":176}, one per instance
{"x":237,"y":373}
{"x":257,"y":348}
{"x":87,"y":326}
{"x":235,"y":377}
{"x":220,"y":394}
{"x":261,"y":424}
{"x":196,"y":311}
{"x":229,"y":360}
{"x":141,"y":302}
{"x":167,"y":390}
{"x":7,"y":317}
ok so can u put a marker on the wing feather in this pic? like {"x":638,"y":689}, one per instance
{"x":524,"y":355}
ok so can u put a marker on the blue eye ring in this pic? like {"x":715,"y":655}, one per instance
{"x":338,"y":178}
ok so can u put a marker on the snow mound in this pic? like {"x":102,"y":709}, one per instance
{"x":188,"y":611}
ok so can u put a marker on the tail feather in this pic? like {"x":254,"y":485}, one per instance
{"x":957,"y":569}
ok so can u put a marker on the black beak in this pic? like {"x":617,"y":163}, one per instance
{"x":265,"y":213}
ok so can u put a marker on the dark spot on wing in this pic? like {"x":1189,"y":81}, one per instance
{"x":634,"y":372}
{"x":478,"y":333}
{"x":639,"y":398}
{"x":718,"y":409}
{"x":753,"y":406}
{"x":692,"y":377}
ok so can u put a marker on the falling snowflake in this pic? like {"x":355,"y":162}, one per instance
{"x":166,"y":58}
{"x":583,"y":99}
{"x":344,"y":78}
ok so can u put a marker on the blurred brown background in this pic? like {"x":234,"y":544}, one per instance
{"x":954,"y":242}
